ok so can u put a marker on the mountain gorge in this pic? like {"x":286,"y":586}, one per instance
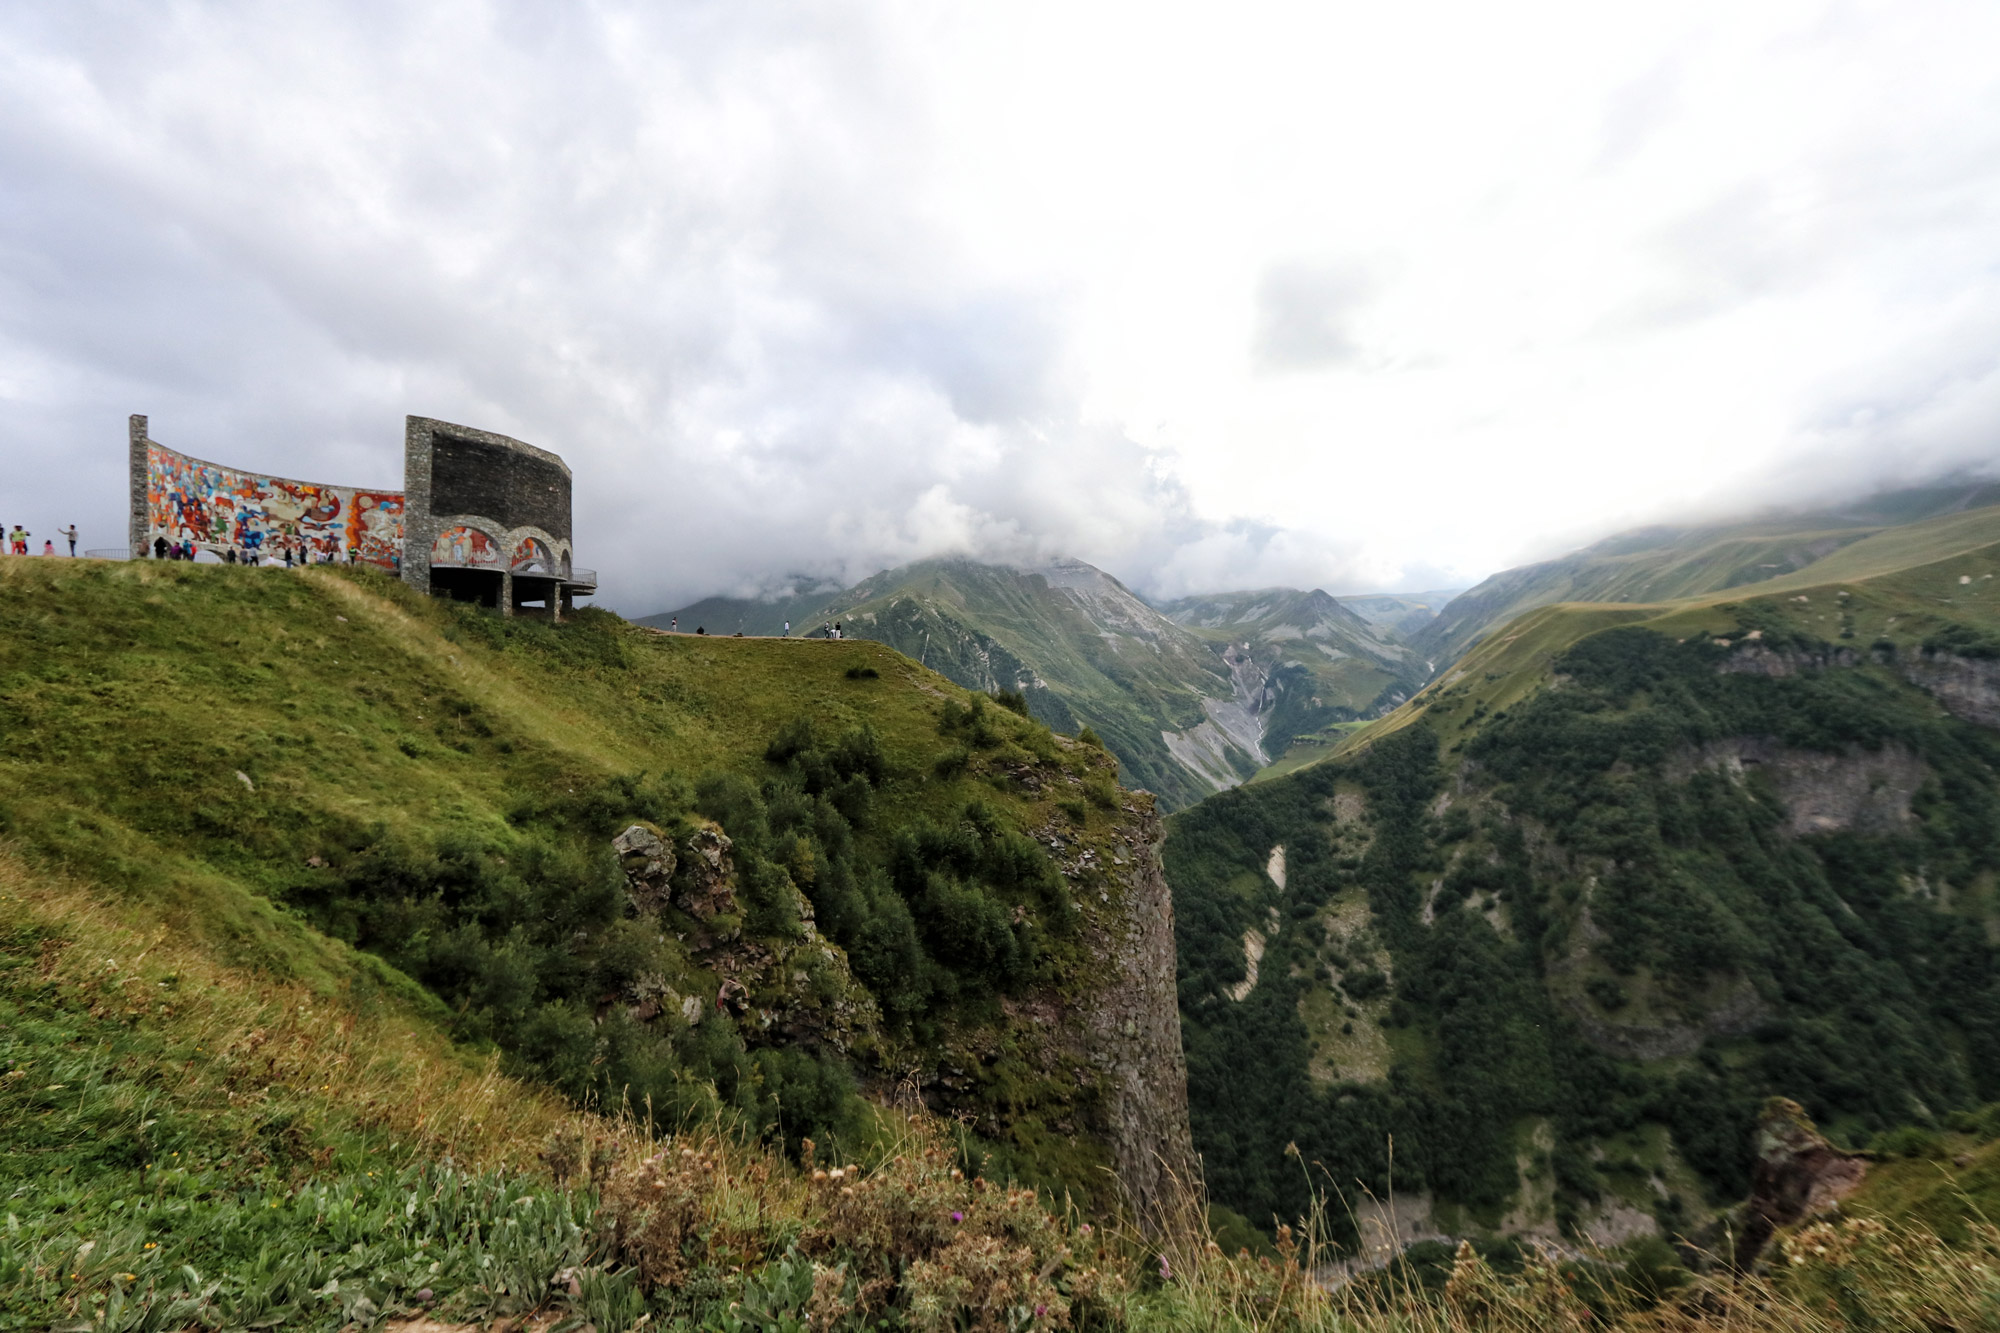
{"x":1192,"y":697}
{"x":1558,"y":925}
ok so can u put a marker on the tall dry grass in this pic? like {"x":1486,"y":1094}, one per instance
{"x":247,"y":1039}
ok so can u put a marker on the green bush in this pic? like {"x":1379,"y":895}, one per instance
{"x":1907,"y":1141}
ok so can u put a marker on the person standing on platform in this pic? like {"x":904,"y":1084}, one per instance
{"x":69,"y":532}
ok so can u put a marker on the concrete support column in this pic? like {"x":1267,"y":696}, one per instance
{"x":138,"y":520}
{"x":506,"y":592}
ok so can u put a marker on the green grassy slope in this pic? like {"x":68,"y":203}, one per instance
{"x":1556,"y":927}
{"x":1083,"y":650}
{"x":408,"y":803}
{"x":1665,"y":564}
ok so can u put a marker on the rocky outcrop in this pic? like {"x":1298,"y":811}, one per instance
{"x":1758,"y":659}
{"x":648,"y":860}
{"x":707,"y":884}
{"x":1798,"y":1175}
{"x":1968,"y":687}
{"x":800,"y":989}
{"x":1864,"y":791}
{"x":1133,"y":1028}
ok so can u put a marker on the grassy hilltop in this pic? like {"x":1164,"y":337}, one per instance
{"x":406,"y":808}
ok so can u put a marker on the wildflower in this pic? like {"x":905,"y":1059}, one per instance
{"x":958,"y":1217}
{"x":1166,"y":1270}
{"x":1085,"y":1228}
{"x":152,"y":1245}
{"x":1041,"y":1310}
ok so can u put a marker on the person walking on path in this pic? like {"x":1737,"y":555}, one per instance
{"x":788,"y":629}
{"x":69,"y":532}
{"x":674,"y":625}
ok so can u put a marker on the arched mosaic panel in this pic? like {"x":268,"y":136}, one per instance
{"x":533,"y":555}
{"x":465,"y":547}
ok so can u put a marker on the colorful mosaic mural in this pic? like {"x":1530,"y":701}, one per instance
{"x":219,"y":509}
{"x":466,"y":548}
{"x":533,"y":556}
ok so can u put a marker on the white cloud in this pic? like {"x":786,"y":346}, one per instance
{"x":1337,"y":295}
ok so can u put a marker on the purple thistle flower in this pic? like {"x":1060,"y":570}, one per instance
{"x":958,"y":1217}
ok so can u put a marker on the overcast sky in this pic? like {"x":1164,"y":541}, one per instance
{"x":1353,"y":296}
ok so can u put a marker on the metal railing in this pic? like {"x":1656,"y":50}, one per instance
{"x":583,"y":578}
{"x":109,"y":553}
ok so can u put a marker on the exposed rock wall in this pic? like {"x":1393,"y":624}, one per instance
{"x":1134,"y":1035}
{"x":1865,"y":791}
{"x":1756,"y":659}
{"x":1968,"y":687}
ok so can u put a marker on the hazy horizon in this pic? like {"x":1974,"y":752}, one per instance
{"x":1338,"y":296}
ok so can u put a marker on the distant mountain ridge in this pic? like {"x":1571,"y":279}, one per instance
{"x":1192,"y":699}
{"x":1662,"y":563}
{"x":1402,"y":612}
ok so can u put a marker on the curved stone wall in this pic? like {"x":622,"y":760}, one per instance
{"x":490,"y":514}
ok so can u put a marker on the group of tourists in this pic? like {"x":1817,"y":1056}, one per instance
{"x":291,"y":552}
{"x":17,"y":539}
{"x":830,"y":630}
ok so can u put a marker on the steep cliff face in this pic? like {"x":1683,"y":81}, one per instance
{"x":1968,"y":687}
{"x":1858,"y":790}
{"x":1133,"y":1030}
{"x":1091,"y":1054}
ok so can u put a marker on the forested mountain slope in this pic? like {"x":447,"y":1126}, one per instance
{"x":1192,"y":697}
{"x":764,"y":881}
{"x":1659,"y":564}
{"x":1560,"y":923}
{"x":1074,"y":641}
